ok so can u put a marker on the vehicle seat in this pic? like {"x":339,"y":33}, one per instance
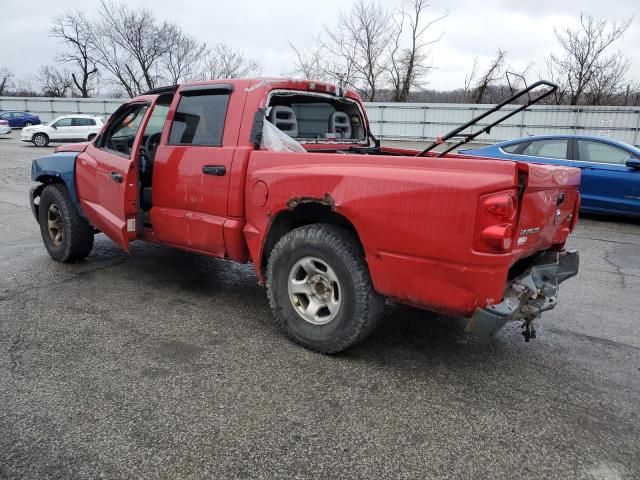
{"x":340,"y":125}
{"x":285,"y":119}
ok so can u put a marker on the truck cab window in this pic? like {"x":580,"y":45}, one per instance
{"x":121,"y":134}
{"x":316,"y":117}
{"x":199,"y":119}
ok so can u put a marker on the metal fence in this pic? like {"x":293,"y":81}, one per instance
{"x":420,"y":121}
{"x":414,"y":121}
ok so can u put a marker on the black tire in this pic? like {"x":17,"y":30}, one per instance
{"x":40,"y":140}
{"x":360,"y":306}
{"x":76,"y":239}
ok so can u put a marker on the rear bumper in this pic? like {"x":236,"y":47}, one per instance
{"x":528,"y":295}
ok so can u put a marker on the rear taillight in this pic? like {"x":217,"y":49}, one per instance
{"x":4,"y":122}
{"x":496,"y":227}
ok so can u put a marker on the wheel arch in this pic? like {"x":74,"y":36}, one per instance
{"x":306,"y":213}
{"x":57,"y":168}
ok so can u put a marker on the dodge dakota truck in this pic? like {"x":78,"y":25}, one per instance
{"x":286,"y":174}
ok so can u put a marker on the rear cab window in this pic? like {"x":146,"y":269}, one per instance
{"x":316,"y":117}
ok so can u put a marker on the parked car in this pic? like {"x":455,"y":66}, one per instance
{"x":20,"y":119}
{"x":67,"y":128}
{"x":610,"y":169}
{"x":287,"y":175}
{"x":5,"y":129}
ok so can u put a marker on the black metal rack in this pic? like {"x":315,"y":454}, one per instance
{"x":470,"y":136}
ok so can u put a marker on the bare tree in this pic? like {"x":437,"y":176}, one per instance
{"x":225,"y":62}
{"x":584,"y":53}
{"x":360,"y":41}
{"x":54,"y":82}
{"x":407,"y":66}
{"x":489,"y":77}
{"x":184,"y":59}
{"x":74,"y":30}
{"x":131,"y":44}
{"x":607,"y":80}
{"x":5,"y":79}
{"x":470,"y":78}
{"x":631,"y":95}
{"x":310,"y":61}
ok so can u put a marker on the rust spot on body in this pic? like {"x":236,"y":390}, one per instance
{"x":326,"y":199}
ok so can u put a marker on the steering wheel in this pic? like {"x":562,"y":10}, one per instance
{"x":149,"y":144}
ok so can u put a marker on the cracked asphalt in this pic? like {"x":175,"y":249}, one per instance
{"x":168,"y":365}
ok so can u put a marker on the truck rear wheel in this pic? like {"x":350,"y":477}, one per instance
{"x":320,"y":290}
{"x":66,"y":235}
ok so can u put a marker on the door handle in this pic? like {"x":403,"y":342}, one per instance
{"x":116,"y":177}
{"x":217,"y":170}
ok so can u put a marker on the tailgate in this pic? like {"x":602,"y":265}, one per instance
{"x":549,"y":204}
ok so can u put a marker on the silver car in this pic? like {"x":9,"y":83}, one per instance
{"x":5,"y":129}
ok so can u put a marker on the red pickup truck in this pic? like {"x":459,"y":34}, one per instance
{"x":286,"y":174}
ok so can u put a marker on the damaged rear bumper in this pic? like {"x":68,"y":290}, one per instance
{"x":528,"y":295}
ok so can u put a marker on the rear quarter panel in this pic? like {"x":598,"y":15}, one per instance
{"x":415,"y":218}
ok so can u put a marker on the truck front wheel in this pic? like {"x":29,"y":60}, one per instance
{"x":66,"y":235}
{"x":320,"y":290}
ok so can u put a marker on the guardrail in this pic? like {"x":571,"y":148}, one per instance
{"x":413,"y":121}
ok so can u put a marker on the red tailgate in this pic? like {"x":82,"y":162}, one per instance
{"x":548,"y":206}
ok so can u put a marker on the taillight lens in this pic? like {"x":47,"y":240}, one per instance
{"x":4,"y":122}
{"x":497,"y":216}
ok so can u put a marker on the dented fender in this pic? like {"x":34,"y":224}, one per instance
{"x":55,"y":168}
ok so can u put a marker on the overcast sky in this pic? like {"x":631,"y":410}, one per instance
{"x":263,"y":28}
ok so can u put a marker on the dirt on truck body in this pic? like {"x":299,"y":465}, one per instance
{"x":286,"y":174}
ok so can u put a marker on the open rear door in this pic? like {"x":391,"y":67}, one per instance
{"x":107,"y":175}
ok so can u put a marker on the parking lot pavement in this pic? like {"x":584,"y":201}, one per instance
{"x":168,"y":365}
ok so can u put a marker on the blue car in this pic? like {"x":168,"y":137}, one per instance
{"x":20,"y":119}
{"x":610,"y":169}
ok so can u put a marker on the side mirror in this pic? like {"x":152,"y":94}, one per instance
{"x":54,"y":127}
{"x":633,"y":163}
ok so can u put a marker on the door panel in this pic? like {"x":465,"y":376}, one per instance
{"x":107,"y":177}
{"x":191,"y":173}
{"x":190,"y":206}
{"x":607,"y":186}
{"x":63,"y":130}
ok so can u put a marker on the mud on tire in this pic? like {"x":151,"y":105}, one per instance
{"x":335,"y":255}
{"x":66,"y":235}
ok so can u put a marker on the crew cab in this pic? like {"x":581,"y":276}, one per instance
{"x":287,"y":175}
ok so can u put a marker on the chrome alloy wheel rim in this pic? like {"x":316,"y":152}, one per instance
{"x":39,"y":140}
{"x":54,"y":224}
{"x":314,"y":290}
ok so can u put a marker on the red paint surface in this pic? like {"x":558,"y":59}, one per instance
{"x":418,"y":218}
